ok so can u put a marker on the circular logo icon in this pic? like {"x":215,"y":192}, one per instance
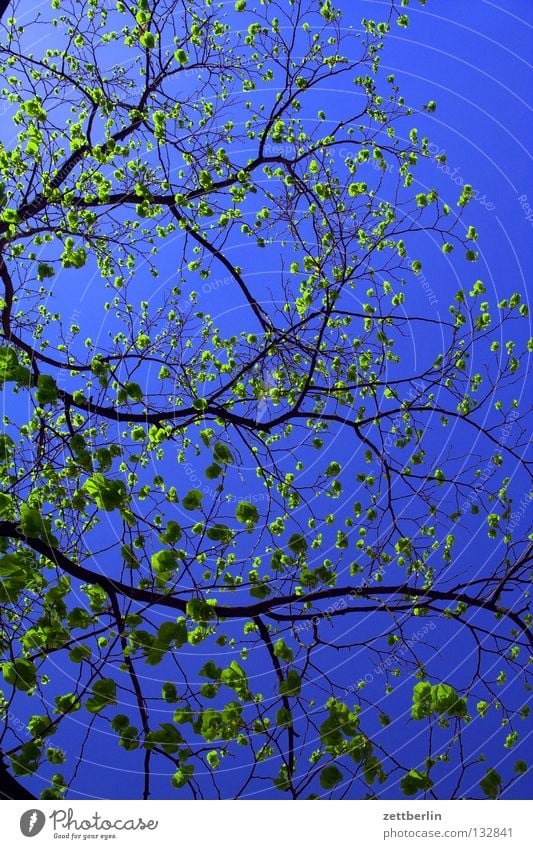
{"x":32,"y":822}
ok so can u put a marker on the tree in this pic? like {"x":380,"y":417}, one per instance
{"x":233,"y":545}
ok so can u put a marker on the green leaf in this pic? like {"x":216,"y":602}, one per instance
{"x":283,"y":718}
{"x":415,"y":782}
{"x":193,"y":500}
{"x":403,"y":546}
{"x":11,"y":566}
{"x":445,"y":700}
{"x":356,"y":189}
{"x":330,"y":777}
{"x":39,"y":726}
{"x":422,"y":701}
{"x":298,"y":544}
{"x":47,"y":391}
{"x":291,"y":685}
{"x":36,"y":526}
{"x":491,"y":784}
{"x":68,"y":703}
{"x":147,"y":40}
{"x":104,"y":693}
{"x":211,"y":670}
{"x":181,"y":56}
{"x":205,"y":179}
{"x":219,"y":533}
{"x":44,"y":271}
{"x":260,"y":591}
{"x":172,"y":533}
{"x":169,"y":692}
{"x":235,"y":677}
{"x":79,"y":653}
{"x":27,"y":759}
{"x":167,"y":737}
{"x":119,"y":722}
{"x":222,"y":454}
{"x":20,"y":673}
{"x":213,"y":759}
{"x":182,"y":776}
{"x":247,"y":513}
{"x":199,"y":610}
{"x":6,"y":506}
{"x":282,"y":782}
{"x":168,"y":634}
{"x":10,"y":370}
{"x":108,"y":494}
{"x":79,"y":618}
{"x":164,"y":562}
{"x":282,"y":650}
{"x":129,"y":738}
{"x":134,"y":391}
{"x":6,"y":447}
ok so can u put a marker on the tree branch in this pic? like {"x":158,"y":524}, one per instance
{"x":250,"y":611}
{"x":4,"y":6}
{"x":10,"y":787}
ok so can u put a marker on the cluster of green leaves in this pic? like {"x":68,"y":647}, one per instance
{"x":438,"y":699}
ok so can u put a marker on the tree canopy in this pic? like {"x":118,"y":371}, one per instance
{"x":261,"y":507}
